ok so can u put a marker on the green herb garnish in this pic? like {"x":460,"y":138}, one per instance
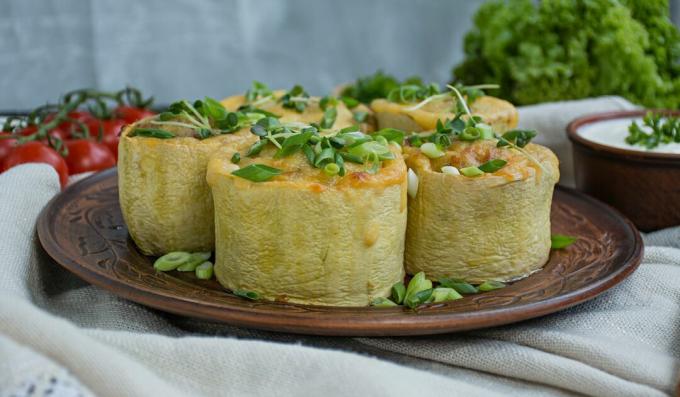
{"x":459,"y":285}
{"x":519,"y":138}
{"x":251,"y":295}
{"x":236,"y":158}
{"x":205,"y":117}
{"x":348,"y":144}
{"x":560,"y":241}
{"x":257,"y":91}
{"x":490,"y":285}
{"x":171,"y":261}
{"x":204,"y":271}
{"x":382,"y":302}
{"x":297,"y":98}
{"x":257,"y":172}
{"x":663,"y":130}
{"x":367,"y":88}
{"x":492,"y":166}
{"x":152,"y":133}
{"x":398,"y":292}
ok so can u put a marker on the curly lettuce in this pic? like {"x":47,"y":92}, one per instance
{"x":570,"y":49}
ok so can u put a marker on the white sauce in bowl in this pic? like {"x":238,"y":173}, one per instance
{"x":614,"y":132}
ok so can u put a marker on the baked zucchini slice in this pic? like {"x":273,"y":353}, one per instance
{"x":479,"y":208}
{"x":417,"y":108}
{"x":310,"y":217}
{"x":162,"y":164}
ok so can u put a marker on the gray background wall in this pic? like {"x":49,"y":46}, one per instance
{"x":192,"y":48}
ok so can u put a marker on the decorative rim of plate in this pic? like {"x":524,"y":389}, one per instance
{"x":340,"y":321}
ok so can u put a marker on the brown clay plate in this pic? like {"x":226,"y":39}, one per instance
{"x":83,"y":230}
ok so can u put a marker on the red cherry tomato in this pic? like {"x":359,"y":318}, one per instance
{"x":37,"y":152}
{"x":6,"y":145}
{"x":108,"y":127}
{"x":85,"y":155}
{"x":131,"y":113}
{"x":111,"y":142}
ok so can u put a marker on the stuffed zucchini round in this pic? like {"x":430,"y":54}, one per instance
{"x":309,"y":217}
{"x":413,"y":108}
{"x":294,"y":105}
{"x":164,"y":197}
{"x":478,"y":211}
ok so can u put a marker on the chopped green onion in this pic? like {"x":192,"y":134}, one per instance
{"x":450,"y":170}
{"x":459,"y":285}
{"x":491,"y":285}
{"x":196,"y":259}
{"x":470,"y":134}
{"x":560,"y":241}
{"x":236,"y":158}
{"x":431,"y":150}
{"x":471,"y":171}
{"x":418,"y":298}
{"x":519,"y":138}
{"x":391,"y":134}
{"x":257,"y":172}
{"x":492,"y":166}
{"x":252,"y":295}
{"x":326,"y":155}
{"x":412,"y":183}
{"x":171,"y":261}
{"x":486,"y":130}
{"x":329,"y":116}
{"x":152,"y":133}
{"x":256,"y":148}
{"x":398,"y":292}
{"x":331,"y":169}
{"x":204,"y":271}
{"x":382,"y":302}
{"x":443,"y":294}
{"x":360,"y":117}
{"x":349,"y":102}
{"x":418,"y":283}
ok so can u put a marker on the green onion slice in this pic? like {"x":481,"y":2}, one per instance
{"x":442,"y":294}
{"x":196,"y":259}
{"x":431,"y":150}
{"x":493,"y":165}
{"x":382,"y":302}
{"x":204,"y":271}
{"x":171,"y":261}
{"x":471,"y":171}
{"x":490,"y":285}
{"x":398,"y":292}
{"x":252,"y":295}
{"x":152,"y":133}
{"x":257,"y":172}
{"x":560,"y":241}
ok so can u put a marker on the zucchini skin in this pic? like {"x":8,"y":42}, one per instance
{"x":479,"y":229}
{"x":300,"y":242}
{"x":164,"y":197}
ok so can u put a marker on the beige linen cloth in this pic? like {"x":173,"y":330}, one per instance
{"x":60,"y":336}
